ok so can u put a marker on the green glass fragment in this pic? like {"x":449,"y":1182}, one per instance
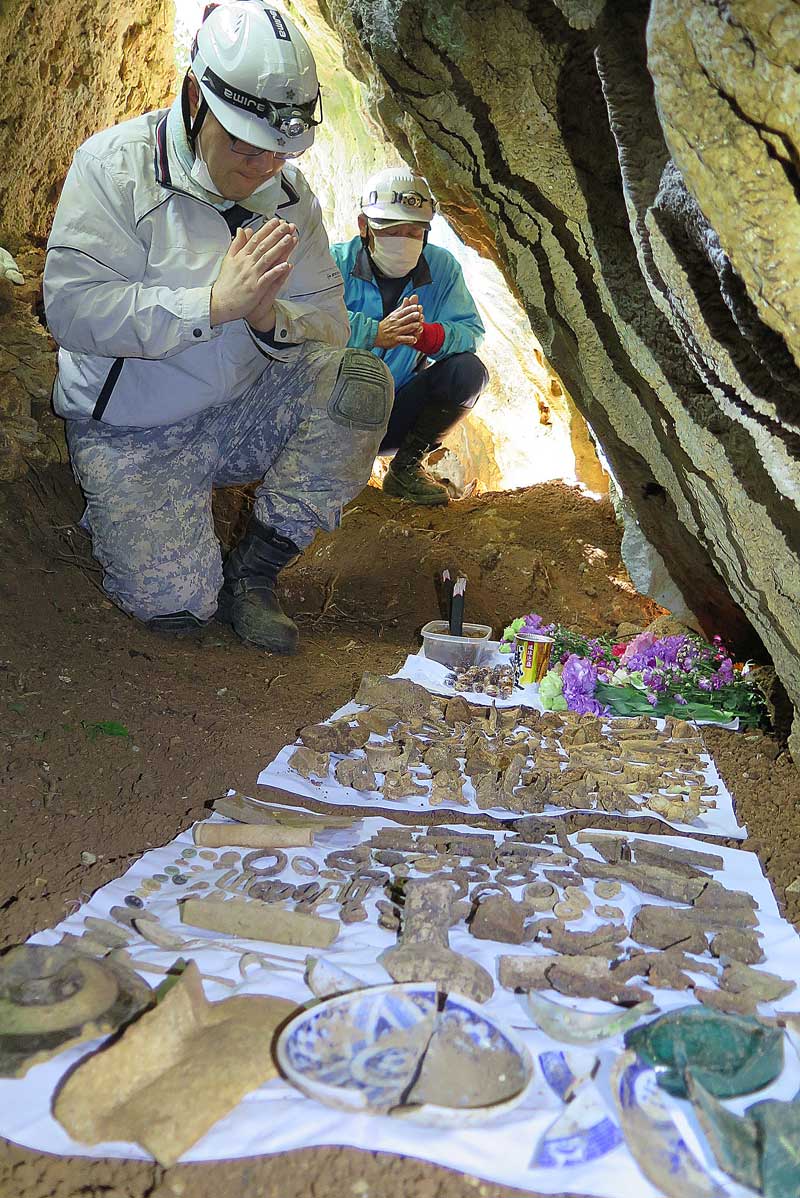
{"x":779,"y":1127}
{"x":733,"y":1139}
{"x":727,"y":1054}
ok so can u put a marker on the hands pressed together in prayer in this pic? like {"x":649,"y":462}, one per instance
{"x":403,"y":326}
{"x":252,"y":273}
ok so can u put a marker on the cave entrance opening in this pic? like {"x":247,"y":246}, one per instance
{"x":524,"y":429}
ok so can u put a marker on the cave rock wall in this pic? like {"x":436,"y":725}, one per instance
{"x":69,"y":69}
{"x":633,"y":169}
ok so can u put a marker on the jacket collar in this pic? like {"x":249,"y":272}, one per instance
{"x":362,"y":269}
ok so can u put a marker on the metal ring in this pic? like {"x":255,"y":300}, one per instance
{"x":306,"y":866}
{"x":271,"y":891}
{"x":268,"y":871}
{"x":489,"y":888}
{"x":516,"y":877}
{"x":474,"y":873}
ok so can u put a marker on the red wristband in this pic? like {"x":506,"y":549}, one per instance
{"x":431,"y":339}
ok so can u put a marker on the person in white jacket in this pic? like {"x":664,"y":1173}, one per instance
{"x":202,"y":332}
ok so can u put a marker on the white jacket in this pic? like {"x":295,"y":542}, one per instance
{"x":131,"y":258}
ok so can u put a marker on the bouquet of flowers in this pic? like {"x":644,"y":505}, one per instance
{"x":648,"y":675}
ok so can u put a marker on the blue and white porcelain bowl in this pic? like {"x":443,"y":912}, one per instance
{"x":360,"y":1051}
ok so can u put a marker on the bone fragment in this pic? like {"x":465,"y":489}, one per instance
{"x":259,"y":921}
{"x":254,"y":836}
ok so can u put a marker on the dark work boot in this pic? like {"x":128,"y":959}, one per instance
{"x":405,"y":478}
{"x":248,"y":600}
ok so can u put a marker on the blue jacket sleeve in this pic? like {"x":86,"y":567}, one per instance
{"x":363,"y":330}
{"x":458,"y":316}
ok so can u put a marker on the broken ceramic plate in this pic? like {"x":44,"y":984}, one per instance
{"x":582,"y":1132}
{"x":652,"y":1134}
{"x":366,"y":1052}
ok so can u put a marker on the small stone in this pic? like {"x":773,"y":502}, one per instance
{"x":576,"y":896}
{"x":499,"y":918}
{"x":567,"y":911}
{"x":605,"y":911}
{"x":607,"y":890}
{"x":88,"y":858}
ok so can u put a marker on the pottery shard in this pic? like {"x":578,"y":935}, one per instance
{"x":399,"y":694}
{"x":762,"y":986}
{"x":310,"y":764}
{"x":524,"y":973}
{"x":355,"y":772}
{"x":649,"y":879}
{"x":173,"y":1073}
{"x":499,"y":918}
{"x":590,"y":977}
{"x":600,"y":942}
{"x":663,"y":927}
{"x":738,"y":946}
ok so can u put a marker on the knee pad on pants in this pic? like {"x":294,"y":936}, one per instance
{"x":363,"y":392}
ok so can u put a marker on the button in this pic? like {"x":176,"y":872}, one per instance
{"x":197,"y":332}
{"x":283,"y":332}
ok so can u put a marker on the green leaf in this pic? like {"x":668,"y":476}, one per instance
{"x":104,"y":728}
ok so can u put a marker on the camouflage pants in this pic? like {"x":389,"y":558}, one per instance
{"x":310,"y":429}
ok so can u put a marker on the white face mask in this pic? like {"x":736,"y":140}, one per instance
{"x":396,"y":256}
{"x":202,"y":175}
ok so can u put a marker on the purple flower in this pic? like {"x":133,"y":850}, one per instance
{"x":704,"y":684}
{"x":579,"y":678}
{"x":532,"y":623}
{"x":651,"y":698}
{"x":679,"y":699}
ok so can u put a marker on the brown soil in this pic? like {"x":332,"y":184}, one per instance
{"x":207,"y":713}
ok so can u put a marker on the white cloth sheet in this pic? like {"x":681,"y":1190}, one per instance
{"x":277,"y":1118}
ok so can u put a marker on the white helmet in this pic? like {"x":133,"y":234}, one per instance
{"x":257,"y":75}
{"x":397,"y":195}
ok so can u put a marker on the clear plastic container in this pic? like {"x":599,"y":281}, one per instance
{"x":455,"y":652}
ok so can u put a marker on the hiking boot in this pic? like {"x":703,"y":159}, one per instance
{"x":249,"y":600}
{"x":407,"y":480}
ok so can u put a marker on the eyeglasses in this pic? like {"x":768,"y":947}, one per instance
{"x":245,"y":150}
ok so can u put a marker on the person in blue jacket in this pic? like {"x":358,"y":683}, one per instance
{"x":408,"y":303}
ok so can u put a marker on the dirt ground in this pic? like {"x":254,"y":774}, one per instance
{"x":206,"y":713}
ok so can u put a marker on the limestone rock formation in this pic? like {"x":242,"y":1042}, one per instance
{"x":69,"y":70}
{"x":633,"y":169}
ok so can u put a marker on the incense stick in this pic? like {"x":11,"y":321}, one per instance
{"x":457,"y":607}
